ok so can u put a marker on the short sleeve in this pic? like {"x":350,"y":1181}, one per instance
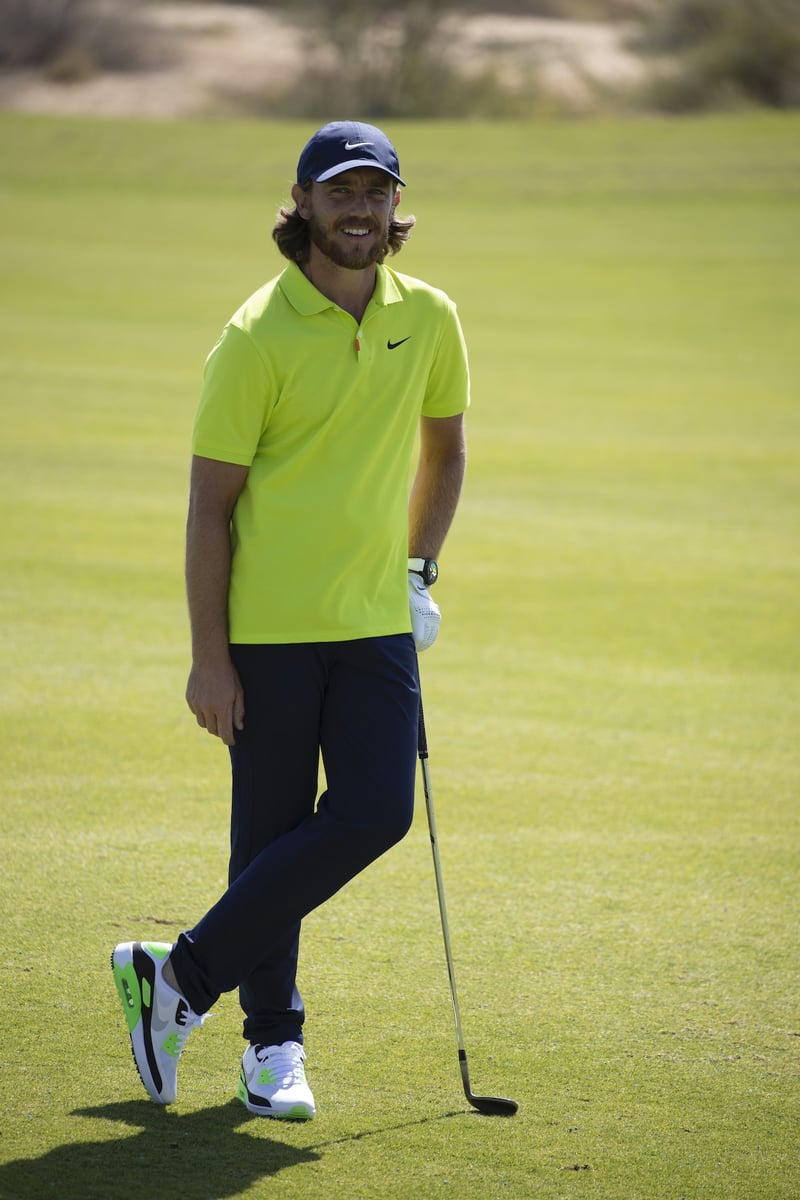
{"x":236,"y":400}
{"x":447,"y":392}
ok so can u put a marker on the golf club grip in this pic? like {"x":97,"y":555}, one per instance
{"x":422,"y":737}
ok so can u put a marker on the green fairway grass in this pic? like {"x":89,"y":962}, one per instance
{"x":613,"y":705}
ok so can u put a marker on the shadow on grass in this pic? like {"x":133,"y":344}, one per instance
{"x":193,"y":1155}
{"x":360,"y":1134}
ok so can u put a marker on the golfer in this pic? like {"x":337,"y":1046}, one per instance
{"x":307,"y":571}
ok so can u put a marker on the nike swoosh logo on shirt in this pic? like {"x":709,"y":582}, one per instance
{"x":394,"y":345}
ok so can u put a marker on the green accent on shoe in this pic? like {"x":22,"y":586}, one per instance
{"x":129,"y":993}
{"x":147,"y":994}
{"x":172,"y":1045}
{"x":297,"y":1113}
{"x":158,"y":949}
{"x":267,"y":1075}
{"x":241,"y":1091}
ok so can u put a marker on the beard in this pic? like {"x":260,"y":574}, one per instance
{"x":354,"y":257}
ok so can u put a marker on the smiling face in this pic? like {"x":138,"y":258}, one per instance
{"x":349,"y":216}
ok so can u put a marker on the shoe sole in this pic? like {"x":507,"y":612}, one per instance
{"x":261,"y":1108}
{"x":134,"y":971}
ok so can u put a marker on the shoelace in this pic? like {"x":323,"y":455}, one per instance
{"x":286,"y":1063}
{"x":191,"y":1021}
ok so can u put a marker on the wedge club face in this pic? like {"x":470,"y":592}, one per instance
{"x":490,"y":1106}
{"x":494,"y":1106}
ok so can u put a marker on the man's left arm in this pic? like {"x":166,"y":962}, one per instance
{"x":437,"y":484}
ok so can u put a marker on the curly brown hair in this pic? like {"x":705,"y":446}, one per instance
{"x":290,"y":235}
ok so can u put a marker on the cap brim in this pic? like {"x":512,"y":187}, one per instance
{"x":350,"y":165}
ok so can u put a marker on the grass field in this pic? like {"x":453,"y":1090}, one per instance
{"x":613,"y":705}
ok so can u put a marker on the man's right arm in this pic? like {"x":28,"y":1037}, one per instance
{"x":213,"y":692}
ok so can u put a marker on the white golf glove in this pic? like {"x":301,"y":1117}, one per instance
{"x":425,"y":615}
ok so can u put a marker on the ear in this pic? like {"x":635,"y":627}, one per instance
{"x":396,"y":200}
{"x":301,"y":198}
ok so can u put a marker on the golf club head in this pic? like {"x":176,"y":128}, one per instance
{"x":493,"y":1106}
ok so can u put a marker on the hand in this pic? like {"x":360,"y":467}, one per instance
{"x":425,"y":615}
{"x":215,"y":696}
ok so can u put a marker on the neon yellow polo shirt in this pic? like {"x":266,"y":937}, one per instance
{"x":324,"y":412}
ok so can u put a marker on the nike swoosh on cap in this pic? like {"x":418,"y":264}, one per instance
{"x":357,"y":145}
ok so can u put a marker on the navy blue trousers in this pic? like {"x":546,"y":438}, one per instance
{"x":356,"y":703}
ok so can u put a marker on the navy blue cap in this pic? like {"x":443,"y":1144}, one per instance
{"x":343,"y":145}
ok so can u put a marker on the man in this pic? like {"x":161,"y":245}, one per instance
{"x":307,"y":572}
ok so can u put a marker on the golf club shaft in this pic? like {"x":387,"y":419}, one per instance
{"x":437,"y":867}
{"x":496,"y":1106}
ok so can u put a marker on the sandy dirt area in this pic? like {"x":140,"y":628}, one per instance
{"x":214,"y":54}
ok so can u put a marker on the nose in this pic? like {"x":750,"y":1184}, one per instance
{"x":360,"y":202}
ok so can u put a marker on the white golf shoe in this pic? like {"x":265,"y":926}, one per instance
{"x":272,"y":1082}
{"x":159,"y":1019}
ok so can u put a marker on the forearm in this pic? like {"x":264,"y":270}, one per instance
{"x":208,"y":569}
{"x":433,"y":502}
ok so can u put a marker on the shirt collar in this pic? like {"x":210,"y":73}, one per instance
{"x":305,"y":299}
{"x":386,"y":289}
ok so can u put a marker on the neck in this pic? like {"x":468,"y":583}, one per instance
{"x":351,"y":290}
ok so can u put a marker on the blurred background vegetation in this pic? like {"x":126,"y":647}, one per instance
{"x":396,"y":58}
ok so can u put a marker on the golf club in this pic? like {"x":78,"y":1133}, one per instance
{"x":493,"y":1106}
